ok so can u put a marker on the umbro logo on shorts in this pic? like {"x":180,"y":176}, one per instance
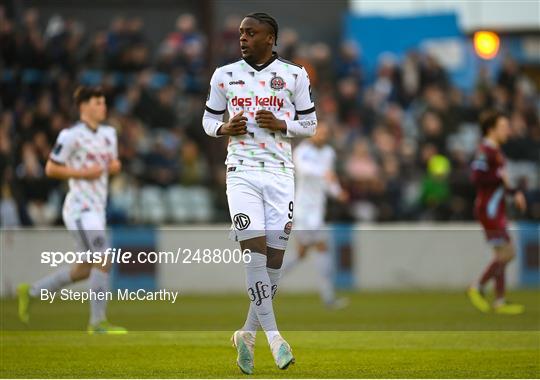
{"x":241,"y":221}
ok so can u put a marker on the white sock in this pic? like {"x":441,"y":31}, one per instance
{"x":99,"y":283}
{"x":252,"y":322}
{"x":259,"y":291}
{"x":54,"y":281}
{"x":326,"y":270}
{"x":275,"y":276}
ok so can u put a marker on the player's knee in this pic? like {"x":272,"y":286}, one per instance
{"x":275,"y":257}
{"x":274,"y":262}
{"x":254,"y":245}
{"x":302,"y":251}
{"x":509,"y":255}
{"x":505,"y":253}
{"x":80,"y":272}
{"x":321,"y":247}
{"x":104,"y":268}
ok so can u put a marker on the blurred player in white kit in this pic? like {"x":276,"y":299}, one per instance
{"x":316,"y":179}
{"x":84,"y":154}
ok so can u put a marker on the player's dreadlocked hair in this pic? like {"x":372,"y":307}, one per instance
{"x":266,"y":18}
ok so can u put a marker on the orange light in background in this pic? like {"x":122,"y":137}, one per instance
{"x":486,"y":44}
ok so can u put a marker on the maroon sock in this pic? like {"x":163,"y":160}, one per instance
{"x":491,"y":270}
{"x":500,"y":282}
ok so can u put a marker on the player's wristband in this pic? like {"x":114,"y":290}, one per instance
{"x":301,"y":128}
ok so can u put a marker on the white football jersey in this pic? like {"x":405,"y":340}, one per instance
{"x":279,"y":86}
{"x":81,"y":147}
{"x":312,"y":186}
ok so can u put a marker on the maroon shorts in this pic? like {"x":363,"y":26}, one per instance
{"x":495,"y":228}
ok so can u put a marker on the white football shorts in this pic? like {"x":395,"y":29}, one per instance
{"x":309,"y":226}
{"x":89,"y":230}
{"x":261,"y":203}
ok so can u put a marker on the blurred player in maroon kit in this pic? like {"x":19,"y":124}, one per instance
{"x":491,"y":181}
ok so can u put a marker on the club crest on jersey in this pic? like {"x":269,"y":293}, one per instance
{"x":288,"y":228}
{"x":277,"y":83}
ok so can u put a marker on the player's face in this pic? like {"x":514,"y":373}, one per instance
{"x":255,"y":39}
{"x":95,"y":108}
{"x":502,"y":130}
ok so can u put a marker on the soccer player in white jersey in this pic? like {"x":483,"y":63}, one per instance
{"x":315,"y":179}
{"x":269,"y":102}
{"x":85,"y":155}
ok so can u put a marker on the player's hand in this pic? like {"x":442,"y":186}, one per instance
{"x":330,"y":177}
{"x":266,"y":119}
{"x":235,"y":126}
{"x":503,"y":175}
{"x":114,"y":166}
{"x":343,"y":197}
{"x":91,"y":172}
{"x":520,"y":201}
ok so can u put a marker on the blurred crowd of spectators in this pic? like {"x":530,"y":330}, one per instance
{"x":404,"y":137}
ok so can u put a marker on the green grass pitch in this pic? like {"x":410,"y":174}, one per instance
{"x":420,"y":334}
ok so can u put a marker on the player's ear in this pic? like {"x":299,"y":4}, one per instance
{"x":270,"y":39}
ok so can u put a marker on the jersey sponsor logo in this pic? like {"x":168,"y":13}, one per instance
{"x":277,"y":83}
{"x":241,"y":221}
{"x":238,"y":82}
{"x":97,"y":156}
{"x":258,"y":101}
